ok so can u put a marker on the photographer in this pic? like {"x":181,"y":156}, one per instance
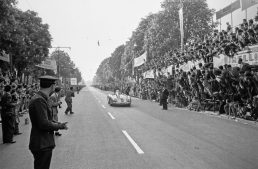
{"x":55,"y":102}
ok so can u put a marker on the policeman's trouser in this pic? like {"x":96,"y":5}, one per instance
{"x":42,"y":159}
{"x":69,"y":107}
{"x":165,"y":104}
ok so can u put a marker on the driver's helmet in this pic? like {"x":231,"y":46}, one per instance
{"x":117,"y":92}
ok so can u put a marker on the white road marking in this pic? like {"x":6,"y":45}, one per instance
{"x":103,"y":106}
{"x":112,"y":117}
{"x":138,"y":149}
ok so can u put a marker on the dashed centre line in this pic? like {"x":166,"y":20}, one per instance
{"x":112,"y":117}
{"x":137,"y":148}
{"x":103,"y":106}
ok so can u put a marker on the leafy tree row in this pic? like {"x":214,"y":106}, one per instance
{"x":159,"y":34}
{"x":23,"y":35}
{"x":65,"y":66}
{"x":27,"y":40}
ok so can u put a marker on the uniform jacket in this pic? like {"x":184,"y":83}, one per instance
{"x":165,"y":94}
{"x":69,"y":95}
{"x":7,"y":105}
{"x":43,"y":127}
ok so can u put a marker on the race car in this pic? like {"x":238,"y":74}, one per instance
{"x":119,"y":99}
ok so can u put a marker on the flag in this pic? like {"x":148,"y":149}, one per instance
{"x":181,"y":20}
{"x":5,"y":57}
{"x":140,"y":60}
{"x":248,"y":3}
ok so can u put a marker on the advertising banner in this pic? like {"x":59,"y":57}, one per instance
{"x":219,"y":60}
{"x":250,"y":58}
{"x":73,"y":81}
{"x":140,"y":60}
{"x":48,"y":64}
{"x":4,"y":57}
{"x":148,"y":74}
{"x":228,"y":9}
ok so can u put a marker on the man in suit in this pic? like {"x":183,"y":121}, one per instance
{"x":42,"y":140}
{"x":68,"y":100}
{"x":55,"y":103}
{"x":164,"y":98}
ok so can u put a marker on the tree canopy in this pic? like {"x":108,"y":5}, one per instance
{"x":158,"y":34}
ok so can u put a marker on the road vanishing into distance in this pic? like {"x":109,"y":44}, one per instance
{"x":142,"y":136}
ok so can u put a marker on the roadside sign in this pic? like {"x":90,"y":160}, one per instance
{"x":73,"y":81}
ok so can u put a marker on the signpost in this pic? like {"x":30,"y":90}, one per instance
{"x":74,"y":81}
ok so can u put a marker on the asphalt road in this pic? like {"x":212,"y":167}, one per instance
{"x":140,"y":137}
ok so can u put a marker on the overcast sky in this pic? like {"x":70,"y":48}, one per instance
{"x":80,"y":24}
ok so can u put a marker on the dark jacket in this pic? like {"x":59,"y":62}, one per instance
{"x":164,"y":95}
{"x":69,"y":95}
{"x":43,"y":127}
{"x":7,"y":105}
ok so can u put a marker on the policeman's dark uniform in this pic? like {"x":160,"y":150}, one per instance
{"x":8,"y":116}
{"x":68,"y":100}
{"x":42,"y":132}
{"x":164,"y":98}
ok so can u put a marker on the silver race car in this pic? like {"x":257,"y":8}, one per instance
{"x":119,"y":99}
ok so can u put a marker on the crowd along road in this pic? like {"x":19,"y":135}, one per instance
{"x":140,"y":137}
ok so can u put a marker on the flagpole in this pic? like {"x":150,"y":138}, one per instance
{"x":181,"y":20}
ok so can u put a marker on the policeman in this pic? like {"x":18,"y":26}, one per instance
{"x":68,"y":100}
{"x":42,"y":140}
{"x":164,"y":97}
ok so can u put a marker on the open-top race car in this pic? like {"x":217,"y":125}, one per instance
{"x":119,"y":99}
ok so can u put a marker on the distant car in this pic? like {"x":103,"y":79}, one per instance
{"x":119,"y":99}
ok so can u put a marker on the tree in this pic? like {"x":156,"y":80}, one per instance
{"x":65,"y":65}
{"x":25,"y":38}
{"x":115,"y":62}
{"x":197,"y":16}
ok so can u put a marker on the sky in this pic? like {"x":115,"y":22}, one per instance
{"x":80,"y":24}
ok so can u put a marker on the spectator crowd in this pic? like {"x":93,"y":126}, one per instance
{"x":15,"y":97}
{"x":226,"y":89}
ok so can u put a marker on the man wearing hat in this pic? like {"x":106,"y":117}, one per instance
{"x":42,"y":140}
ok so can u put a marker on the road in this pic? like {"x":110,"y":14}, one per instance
{"x":140,"y":137}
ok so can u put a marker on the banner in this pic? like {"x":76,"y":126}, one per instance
{"x":248,"y":3}
{"x":140,"y":60}
{"x":250,"y":58}
{"x":219,"y":60}
{"x":48,"y":64}
{"x":5,"y":57}
{"x":170,"y":69}
{"x":228,"y":9}
{"x":73,"y":81}
{"x":148,"y":74}
{"x":181,"y":20}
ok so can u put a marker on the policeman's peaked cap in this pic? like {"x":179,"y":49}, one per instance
{"x":47,"y":80}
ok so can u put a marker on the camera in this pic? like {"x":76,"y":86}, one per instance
{"x":60,"y":105}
